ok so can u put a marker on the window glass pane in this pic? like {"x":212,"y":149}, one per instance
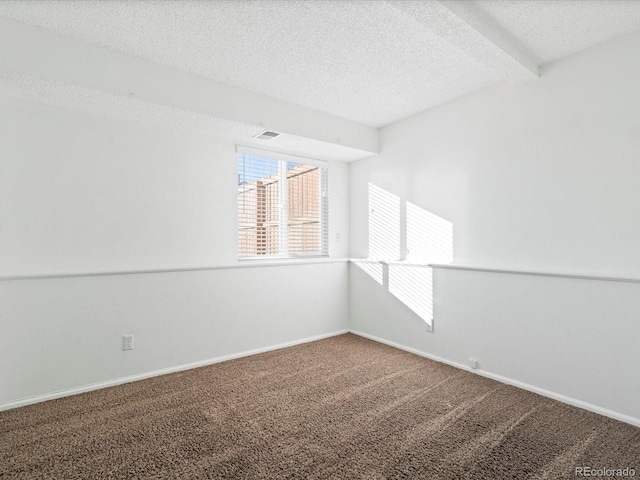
{"x":258,"y":206}
{"x":303,"y":189}
{"x":282,"y":208}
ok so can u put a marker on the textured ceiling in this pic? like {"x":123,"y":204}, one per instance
{"x":370,"y":61}
{"x":362,"y":60}
{"x":555,"y":29}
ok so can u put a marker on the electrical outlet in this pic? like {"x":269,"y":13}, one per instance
{"x":473,"y":363}
{"x":127,"y":342}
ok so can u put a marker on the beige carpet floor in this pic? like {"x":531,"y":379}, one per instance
{"x":343,"y":408}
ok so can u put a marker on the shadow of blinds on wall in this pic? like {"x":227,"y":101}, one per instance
{"x":403,"y":239}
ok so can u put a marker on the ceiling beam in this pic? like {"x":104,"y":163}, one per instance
{"x":462,"y":24}
{"x":45,"y":67}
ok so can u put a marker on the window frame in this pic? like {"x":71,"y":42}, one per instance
{"x":283,"y":204}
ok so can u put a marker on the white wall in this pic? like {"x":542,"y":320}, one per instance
{"x":61,"y":334}
{"x":81,"y":193}
{"x":542,"y":176}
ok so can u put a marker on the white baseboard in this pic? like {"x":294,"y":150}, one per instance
{"x":132,"y":378}
{"x":141,"y":376}
{"x":509,"y":381}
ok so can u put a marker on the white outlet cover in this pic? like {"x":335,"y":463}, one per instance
{"x":127,"y":342}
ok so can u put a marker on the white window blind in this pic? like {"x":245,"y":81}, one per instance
{"x":283,"y":205}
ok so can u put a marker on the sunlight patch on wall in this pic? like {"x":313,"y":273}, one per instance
{"x":429,"y":237}
{"x":429,"y":240}
{"x":412,"y":285}
{"x":372,"y":268}
{"x":384,"y":232}
{"x":402,"y":269}
{"x":384,"y":225}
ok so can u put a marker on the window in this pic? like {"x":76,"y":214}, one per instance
{"x":283,"y":205}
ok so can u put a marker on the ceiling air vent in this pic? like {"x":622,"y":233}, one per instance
{"x":266,"y":135}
